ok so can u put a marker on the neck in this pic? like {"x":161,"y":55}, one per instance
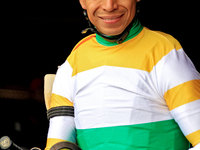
{"x":130,"y":32}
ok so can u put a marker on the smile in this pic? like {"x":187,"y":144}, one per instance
{"x":111,"y":19}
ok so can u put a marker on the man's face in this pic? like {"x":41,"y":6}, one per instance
{"x":110,"y":17}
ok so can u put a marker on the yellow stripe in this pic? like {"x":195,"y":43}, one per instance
{"x":183,"y":94}
{"x":57,"y":100}
{"x":194,"y":137}
{"x":51,"y":142}
{"x":171,"y":39}
{"x":131,"y":54}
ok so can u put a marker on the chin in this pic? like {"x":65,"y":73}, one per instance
{"x":111,"y":32}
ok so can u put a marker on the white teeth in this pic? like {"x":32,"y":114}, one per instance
{"x":110,"y":19}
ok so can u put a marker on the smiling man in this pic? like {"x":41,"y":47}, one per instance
{"x":125,"y":87}
{"x":110,"y":17}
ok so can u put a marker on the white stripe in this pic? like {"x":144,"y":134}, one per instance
{"x":62,"y":127}
{"x":188,"y":117}
{"x":112,"y":96}
{"x":62,"y":84}
{"x":173,"y":69}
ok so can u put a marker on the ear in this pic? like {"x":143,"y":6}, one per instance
{"x":138,"y":0}
{"x":82,"y":2}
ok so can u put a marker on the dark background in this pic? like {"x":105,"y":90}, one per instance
{"x":36,"y":37}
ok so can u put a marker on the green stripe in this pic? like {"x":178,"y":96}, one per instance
{"x":163,"y":135}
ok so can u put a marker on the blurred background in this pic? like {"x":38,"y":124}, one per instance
{"x":36,"y":37}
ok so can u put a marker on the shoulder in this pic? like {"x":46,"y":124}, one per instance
{"x":80,"y":49}
{"x":84,"y":41}
{"x":159,"y":37}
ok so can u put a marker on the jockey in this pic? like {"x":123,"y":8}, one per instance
{"x":125,"y":87}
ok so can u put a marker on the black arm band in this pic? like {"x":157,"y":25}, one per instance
{"x":60,"y":111}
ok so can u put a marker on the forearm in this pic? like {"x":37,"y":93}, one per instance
{"x":61,"y":128}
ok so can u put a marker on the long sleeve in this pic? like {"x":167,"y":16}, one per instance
{"x":61,"y":127}
{"x":179,"y":82}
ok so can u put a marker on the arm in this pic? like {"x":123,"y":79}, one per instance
{"x":179,"y":82}
{"x":61,"y":129}
{"x":61,"y":111}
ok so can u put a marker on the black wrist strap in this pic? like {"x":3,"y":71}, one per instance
{"x":60,"y":111}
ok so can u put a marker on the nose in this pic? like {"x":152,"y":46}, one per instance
{"x":109,"y":5}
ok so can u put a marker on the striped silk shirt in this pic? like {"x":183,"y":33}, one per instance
{"x":143,"y":94}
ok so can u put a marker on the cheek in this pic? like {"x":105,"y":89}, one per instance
{"x":131,"y":10}
{"x":91,"y":9}
{"x":91,"y":18}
